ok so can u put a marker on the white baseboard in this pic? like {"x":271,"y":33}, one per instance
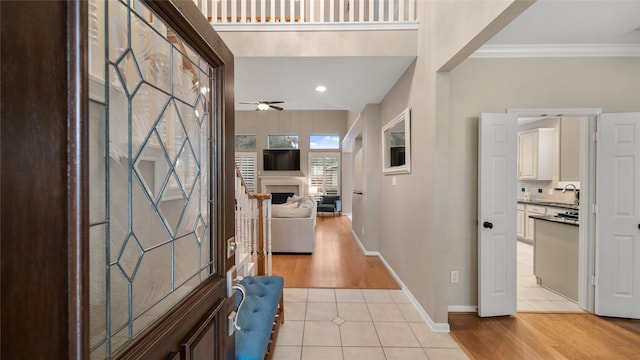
{"x":463,"y":308}
{"x":435,"y":327}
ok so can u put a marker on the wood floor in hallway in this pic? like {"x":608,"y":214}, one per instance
{"x":546,"y":336}
{"x":337,"y":261}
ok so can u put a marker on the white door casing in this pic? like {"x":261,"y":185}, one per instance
{"x":618,"y":216}
{"x":497,"y":168}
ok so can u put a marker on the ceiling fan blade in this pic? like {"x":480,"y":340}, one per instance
{"x":274,"y":102}
{"x":276,"y":107}
{"x":248,"y":103}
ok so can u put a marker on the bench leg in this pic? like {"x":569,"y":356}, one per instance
{"x":276,"y":328}
{"x":282,"y":307}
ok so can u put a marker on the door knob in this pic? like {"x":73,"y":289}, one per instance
{"x":488,"y":225}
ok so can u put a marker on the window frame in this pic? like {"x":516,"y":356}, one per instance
{"x":283,"y":148}
{"x":255,"y":147}
{"x":324,"y":154}
{"x":324,"y":148}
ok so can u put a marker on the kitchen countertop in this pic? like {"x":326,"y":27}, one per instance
{"x":556,"y":219}
{"x":549,"y":203}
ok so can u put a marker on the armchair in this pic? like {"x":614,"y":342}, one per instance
{"x":330,"y":203}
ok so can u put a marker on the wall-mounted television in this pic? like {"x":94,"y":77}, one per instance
{"x":281,"y":159}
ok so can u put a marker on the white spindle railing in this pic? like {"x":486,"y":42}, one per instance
{"x":253,"y":231}
{"x":245,"y":233}
{"x":308,"y":11}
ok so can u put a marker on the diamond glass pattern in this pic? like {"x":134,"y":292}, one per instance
{"x":156,"y":166}
{"x":152,"y":167}
{"x":200,"y":110}
{"x":200,"y":229}
{"x":130,"y":256}
{"x":186,"y":167}
{"x":129,"y":72}
{"x":172,"y":203}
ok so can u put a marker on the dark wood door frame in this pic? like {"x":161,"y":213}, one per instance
{"x":44,"y":233}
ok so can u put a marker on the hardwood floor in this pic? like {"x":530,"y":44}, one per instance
{"x":546,"y":336}
{"x":337,"y":261}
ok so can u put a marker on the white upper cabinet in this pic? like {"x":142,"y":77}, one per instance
{"x":535,"y":154}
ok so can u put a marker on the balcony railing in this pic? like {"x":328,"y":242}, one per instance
{"x":306,"y":12}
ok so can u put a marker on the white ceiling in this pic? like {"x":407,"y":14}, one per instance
{"x":353,"y":82}
{"x":574,"y":22}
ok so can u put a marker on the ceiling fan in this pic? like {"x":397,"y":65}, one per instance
{"x":266,"y":105}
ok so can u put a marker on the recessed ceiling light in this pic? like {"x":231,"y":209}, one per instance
{"x":321,"y":88}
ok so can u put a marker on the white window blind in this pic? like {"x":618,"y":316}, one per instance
{"x":324,"y":173}
{"x":247,"y":163}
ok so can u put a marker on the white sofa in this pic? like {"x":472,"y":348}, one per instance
{"x":293,"y":226}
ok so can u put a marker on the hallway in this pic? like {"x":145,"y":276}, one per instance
{"x":341,"y":304}
{"x":337,"y":261}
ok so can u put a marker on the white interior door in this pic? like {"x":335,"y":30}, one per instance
{"x":497,"y":201}
{"x":618,"y":217}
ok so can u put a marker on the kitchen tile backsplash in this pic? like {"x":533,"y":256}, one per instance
{"x":539,"y":191}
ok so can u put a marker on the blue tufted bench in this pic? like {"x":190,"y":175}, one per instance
{"x":259,"y":317}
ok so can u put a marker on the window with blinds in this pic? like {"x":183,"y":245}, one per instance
{"x":247,"y":163}
{"x":324,"y":173}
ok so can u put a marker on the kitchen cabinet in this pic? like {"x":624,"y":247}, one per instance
{"x":529,"y":224}
{"x":520,"y":221}
{"x":535,"y":154}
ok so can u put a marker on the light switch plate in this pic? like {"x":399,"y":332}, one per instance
{"x":231,"y":246}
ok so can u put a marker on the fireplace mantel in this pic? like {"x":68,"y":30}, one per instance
{"x":267,"y":181}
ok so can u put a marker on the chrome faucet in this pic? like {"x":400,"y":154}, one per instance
{"x":575,"y":192}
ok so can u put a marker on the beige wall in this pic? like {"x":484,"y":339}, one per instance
{"x":321,"y":43}
{"x":366,"y":208}
{"x":493,"y":85}
{"x":414,"y":235}
{"x":296,"y":122}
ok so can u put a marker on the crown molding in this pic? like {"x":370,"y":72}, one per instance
{"x":553,"y":50}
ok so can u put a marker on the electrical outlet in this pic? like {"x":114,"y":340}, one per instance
{"x":393,"y":181}
{"x":455,"y":276}
{"x":539,"y":191}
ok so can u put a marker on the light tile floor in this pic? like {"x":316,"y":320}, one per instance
{"x":531,"y":296}
{"x":353,"y":324}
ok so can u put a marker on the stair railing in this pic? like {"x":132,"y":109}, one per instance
{"x":253,"y":230}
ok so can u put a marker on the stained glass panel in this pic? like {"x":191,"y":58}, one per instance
{"x":150,"y":159}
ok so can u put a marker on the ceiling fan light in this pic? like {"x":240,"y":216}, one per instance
{"x":263,"y":106}
{"x":321,"y":88}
